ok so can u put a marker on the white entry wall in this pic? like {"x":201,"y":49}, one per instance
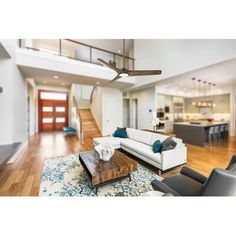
{"x":13,"y":99}
{"x":107,"y":109}
{"x":112,"y":110}
{"x":145,"y":107}
{"x":31,"y":108}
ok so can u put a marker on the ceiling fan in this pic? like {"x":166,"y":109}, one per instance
{"x":125,"y":72}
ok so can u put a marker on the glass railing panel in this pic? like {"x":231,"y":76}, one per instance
{"x":44,"y":45}
{"x":75,"y":50}
{"x":108,"y":57}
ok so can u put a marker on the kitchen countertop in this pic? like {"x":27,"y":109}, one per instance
{"x":203,"y":123}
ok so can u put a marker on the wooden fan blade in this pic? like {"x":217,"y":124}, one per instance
{"x":108,"y":65}
{"x":116,"y":78}
{"x":144,"y":72}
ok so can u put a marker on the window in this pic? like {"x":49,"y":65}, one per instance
{"x":53,"y":96}
{"x":60,"y":109}
{"x":47,"y":120}
{"x":60,"y":119}
{"x":47,"y":109}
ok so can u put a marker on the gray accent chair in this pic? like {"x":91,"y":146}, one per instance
{"x":221,"y":182}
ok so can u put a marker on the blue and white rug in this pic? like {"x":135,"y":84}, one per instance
{"x":65,"y":176}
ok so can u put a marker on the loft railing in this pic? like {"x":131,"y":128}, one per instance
{"x":76,"y":50}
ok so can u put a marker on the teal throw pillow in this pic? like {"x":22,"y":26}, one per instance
{"x":120,"y":134}
{"x":156,"y":147}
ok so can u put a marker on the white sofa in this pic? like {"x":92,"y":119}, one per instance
{"x":139,"y":143}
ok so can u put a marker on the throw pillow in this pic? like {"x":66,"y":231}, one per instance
{"x":120,"y":134}
{"x":156,"y":147}
{"x":168,"y":144}
{"x":123,"y":128}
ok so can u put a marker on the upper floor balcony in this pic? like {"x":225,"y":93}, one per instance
{"x":78,"y":59}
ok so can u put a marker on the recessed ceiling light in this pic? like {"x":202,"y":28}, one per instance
{"x":55,"y":77}
{"x":62,"y":84}
{"x":44,"y":82}
{"x":97,"y":82}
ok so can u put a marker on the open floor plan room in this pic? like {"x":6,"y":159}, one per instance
{"x":116,"y":117}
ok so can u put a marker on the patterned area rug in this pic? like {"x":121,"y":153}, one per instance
{"x":65,"y":176}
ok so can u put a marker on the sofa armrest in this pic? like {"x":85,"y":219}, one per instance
{"x":232,"y":161}
{"x":159,"y":186}
{"x":168,"y":195}
{"x":173,"y":158}
{"x":193,"y":174}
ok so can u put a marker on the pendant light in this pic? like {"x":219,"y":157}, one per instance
{"x":213,"y":104}
{"x":204,"y":92}
{"x":193,"y":102}
{"x":199,"y":103}
{"x":210,"y":103}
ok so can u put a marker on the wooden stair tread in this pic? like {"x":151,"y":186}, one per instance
{"x":89,"y":125}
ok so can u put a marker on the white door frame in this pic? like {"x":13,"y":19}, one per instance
{"x":135,"y":113}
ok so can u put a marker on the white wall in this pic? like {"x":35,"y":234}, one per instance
{"x":107,"y":109}
{"x":96,"y":107}
{"x":177,"y":56}
{"x":82,"y":94}
{"x":6,"y":102}
{"x":112,"y":110}
{"x":13,"y":100}
{"x":146,"y":102}
{"x":32,"y":108}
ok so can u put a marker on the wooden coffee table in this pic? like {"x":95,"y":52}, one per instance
{"x":100,"y":172}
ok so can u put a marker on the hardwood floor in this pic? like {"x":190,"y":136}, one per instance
{"x":23,"y":177}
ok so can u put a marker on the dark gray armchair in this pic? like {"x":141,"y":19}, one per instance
{"x":221,"y":182}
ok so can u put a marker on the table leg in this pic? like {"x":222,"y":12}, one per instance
{"x":130,"y":177}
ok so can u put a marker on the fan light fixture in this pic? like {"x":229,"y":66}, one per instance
{"x":124,"y":74}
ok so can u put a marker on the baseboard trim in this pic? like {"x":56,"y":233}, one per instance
{"x":20,"y":150}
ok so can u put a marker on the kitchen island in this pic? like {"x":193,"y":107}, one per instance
{"x":195,"y":133}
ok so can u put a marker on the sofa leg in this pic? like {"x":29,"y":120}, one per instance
{"x":159,"y":172}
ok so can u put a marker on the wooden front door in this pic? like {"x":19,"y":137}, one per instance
{"x":53,"y":110}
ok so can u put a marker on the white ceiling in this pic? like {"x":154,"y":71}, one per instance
{"x":64,"y":79}
{"x":222,"y":74}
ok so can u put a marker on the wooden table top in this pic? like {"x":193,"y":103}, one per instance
{"x":101,"y":171}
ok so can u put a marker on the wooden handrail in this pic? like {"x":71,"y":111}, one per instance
{"x":91,"y":96}
{"x":78,"y":114}
{"x":100,"y":49}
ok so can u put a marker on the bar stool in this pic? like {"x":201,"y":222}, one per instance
{"x":222,"y":132}
{"x":226,"y":132}
{"x":217,"y":133}
{"x":211,"y":135}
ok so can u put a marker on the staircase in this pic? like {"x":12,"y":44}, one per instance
{"x":89,"y":125}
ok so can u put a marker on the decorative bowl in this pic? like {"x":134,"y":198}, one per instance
{"x":210,"y":120}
